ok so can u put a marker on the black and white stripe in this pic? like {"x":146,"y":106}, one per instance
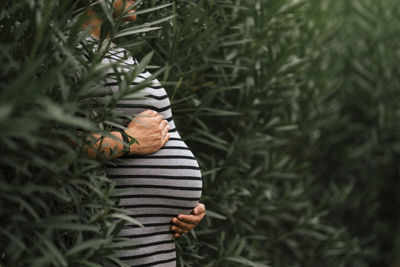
{"x":151,"y":188}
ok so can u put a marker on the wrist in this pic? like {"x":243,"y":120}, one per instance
{"x":125,"y":143}
{"x":128,"y":143}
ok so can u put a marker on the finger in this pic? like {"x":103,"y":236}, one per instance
{"x":160,"y":118}
{"x":191,"y":219}
{"x":163,"y":124}
{"x":165,"y":139}
{"x":149,"y":112}
{"x":182,"y":226}
{"x":182,"y":231}
{"x":165,"y":129}
{"x":167,"y":126}
{"x":177,"y":235}
{"x":200,"y":208}
{"x":179,"y":230}
{"x":164,"y":133}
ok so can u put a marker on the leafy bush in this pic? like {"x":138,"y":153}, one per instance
{"x":277,"y":102}
{"x":56,"y":206}
{"x":291,"y":108}
{"x":240,"y":67}
{"x":352,"y":111}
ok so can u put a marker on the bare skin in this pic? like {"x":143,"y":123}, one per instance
{"x":149,"y":128}
{"x":183,"y":224}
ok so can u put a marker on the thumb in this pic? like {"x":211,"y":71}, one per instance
{"x":198,"y":209}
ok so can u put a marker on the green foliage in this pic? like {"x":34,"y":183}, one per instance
{"x":284,"y":103}
{"x":354,"y":122}
{"x":238,"y":68}
{"x":56,"y":207}
{"x":291,"y":108}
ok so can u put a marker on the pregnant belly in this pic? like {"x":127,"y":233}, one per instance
{"x":155,"y":188}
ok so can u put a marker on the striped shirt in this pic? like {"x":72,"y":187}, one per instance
{"x":158,"y":186}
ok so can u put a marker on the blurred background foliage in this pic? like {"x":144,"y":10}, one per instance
{"x":291,"y":108}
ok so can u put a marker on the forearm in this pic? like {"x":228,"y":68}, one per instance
{"x":104,"y":147}
{"x":145,"y":134}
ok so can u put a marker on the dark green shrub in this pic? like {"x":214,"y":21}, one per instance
{"x":350,"y":129}
{"x":239,"y":67}
{"x":291,"y":108}
{"x":55,"y":208}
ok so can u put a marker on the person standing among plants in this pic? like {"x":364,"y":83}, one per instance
{"x":161,"y":177}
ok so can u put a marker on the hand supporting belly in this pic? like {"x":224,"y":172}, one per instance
{"x":183,"y":224}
